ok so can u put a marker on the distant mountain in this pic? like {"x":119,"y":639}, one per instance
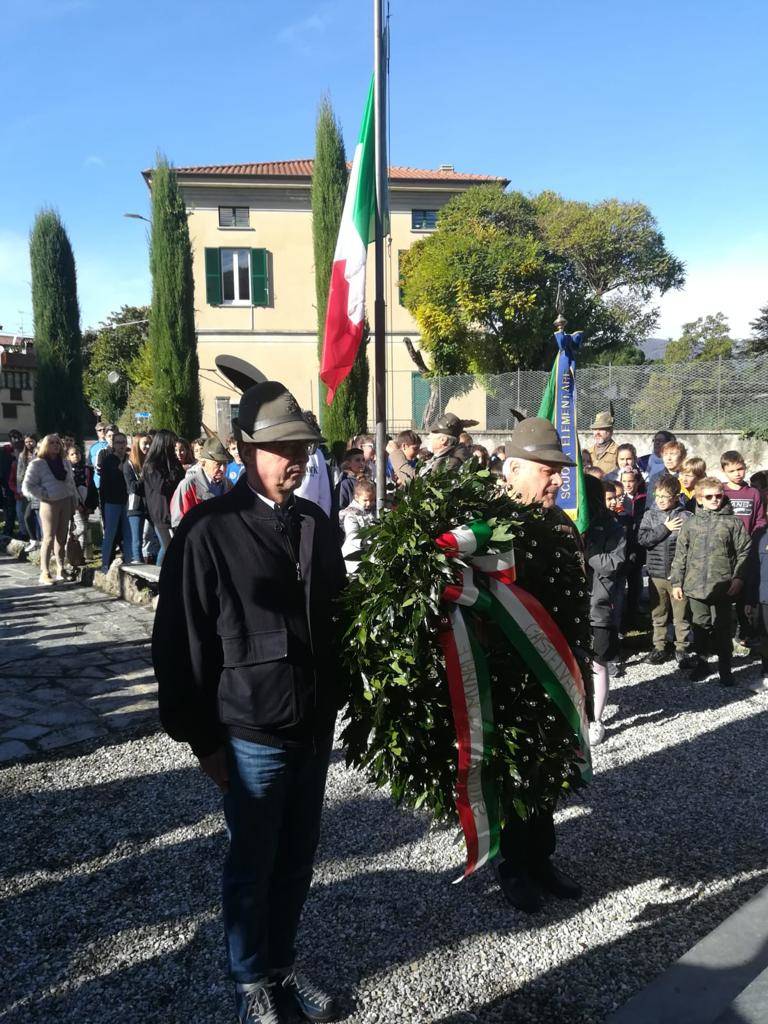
{"x":654,"y":348}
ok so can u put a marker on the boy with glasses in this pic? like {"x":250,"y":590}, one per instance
{"x":709,"y":568}
{"x":747,"y":504}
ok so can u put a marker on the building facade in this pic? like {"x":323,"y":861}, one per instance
{"x":17,"y":382}
{"x":251,"y":232}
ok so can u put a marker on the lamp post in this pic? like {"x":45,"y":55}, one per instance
{"x":137,"y":216}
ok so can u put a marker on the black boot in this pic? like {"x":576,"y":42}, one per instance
{"x":554,"y":881}
{"x":520,"y":890}
{"x":724,"y":668}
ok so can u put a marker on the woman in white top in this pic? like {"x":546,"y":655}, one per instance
{"x":49,"y":479}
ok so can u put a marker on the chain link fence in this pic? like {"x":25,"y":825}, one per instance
{"x":722,"y":395}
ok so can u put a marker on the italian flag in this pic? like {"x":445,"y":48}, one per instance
{"x":345,"y":318}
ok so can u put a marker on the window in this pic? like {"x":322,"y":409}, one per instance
{"x":16,"y":395}
{"x":16,"y":379}
{"x":9,"y":411}
{"x":234,"y":217}
{"x":423,"y":220}
{"x":235,"y":275}
{"x":400,"y":289}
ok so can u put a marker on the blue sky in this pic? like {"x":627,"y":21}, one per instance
{"x":663,"y":102}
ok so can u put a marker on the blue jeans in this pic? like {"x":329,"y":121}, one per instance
{"x":115,"y":524}
{"x":273,"y":809}
{"x":21,"y":508}
{"x":136,"y":526}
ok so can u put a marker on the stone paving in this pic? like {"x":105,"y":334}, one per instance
{"x":74,"y":664}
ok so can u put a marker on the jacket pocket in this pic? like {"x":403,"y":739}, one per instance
{"x":254,"y":648}
{"x":257,"y":687}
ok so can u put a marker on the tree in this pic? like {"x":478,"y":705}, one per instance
{"x":115,"y":347}
{"x":482,"y":287}
{"x":615,"y":257}
{"x":347,"y":415}
{"x":704,"y":339}
{"x":59,"y":403}
{"x":758,"y":343}
{"x":176,"y":398}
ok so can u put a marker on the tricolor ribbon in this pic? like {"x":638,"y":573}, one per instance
{"x":535,"y":635}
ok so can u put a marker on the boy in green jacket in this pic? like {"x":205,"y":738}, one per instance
{"x":708,"y":568}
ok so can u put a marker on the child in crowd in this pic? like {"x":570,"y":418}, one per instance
{"x":235,"y":467}
{"x":762,"y":684}
{"x":594,"y":471}
{"x":747,"y":504}
{"x":692,"y":470}
{"x":614,"y":499}
{"x":709,"y":568}
{"x":634,"y":508}
{"x":658,"y":534}
{"x":759,"y":481}
{"x":673,"y":456}
{"x":626,"y":458}
{"x":352,"y":469}
{"x":605,"y":549}
{"x":358,"y":514}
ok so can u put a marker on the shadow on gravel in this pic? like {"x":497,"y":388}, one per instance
{"x":567,"y":994}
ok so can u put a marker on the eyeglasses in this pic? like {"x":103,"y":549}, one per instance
{"x":712,"y":497}
{"x":289,"y":448}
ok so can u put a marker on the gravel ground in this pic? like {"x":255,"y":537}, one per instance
{"x":111,"y":857}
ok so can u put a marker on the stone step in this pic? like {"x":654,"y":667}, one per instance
{"x":750,"y":1006}
{"x":136,"y":583}
{"x":720,"y":980}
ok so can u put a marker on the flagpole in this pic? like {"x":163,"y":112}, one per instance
{"x":379,"y":311}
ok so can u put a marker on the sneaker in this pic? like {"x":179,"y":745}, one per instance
{"x":657,"y":657}
{"x":30,"y":547}
{"x":758,"y":685}
{"x":684,"y":660}
{"x":740,"y":649}
{"x":596,"y":733}
{"x":45,"y":580}
{"x":309,"y":1000}
{"x":255,"y":1003}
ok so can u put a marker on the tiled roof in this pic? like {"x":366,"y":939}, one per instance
{"x":303,"y":169}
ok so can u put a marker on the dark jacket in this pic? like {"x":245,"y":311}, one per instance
{"x":135,"y":487}
{"x":112,"y":489}
{"x":659,"y":542}
{"x":605,"y":545}
{"x":762,"y":548}
{"x":712,"y":550}
{"x":631,"y":523}
{"x":452,"y":458}
{"x":158,"y":491}
{"x":243,"y":641}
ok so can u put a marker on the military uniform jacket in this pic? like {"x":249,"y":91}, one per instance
{"x":244,"y":640}
{"x":712,"y":549}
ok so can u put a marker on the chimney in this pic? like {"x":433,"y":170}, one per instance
{"x":447,"y":168}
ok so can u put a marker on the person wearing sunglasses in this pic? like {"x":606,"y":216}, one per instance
{"x":709,"y":569}
{"x":245,"y":653}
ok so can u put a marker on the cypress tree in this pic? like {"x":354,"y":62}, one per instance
{"x":348,"y":414}
{"x":176,"y":403}
{"x":59,"y":403}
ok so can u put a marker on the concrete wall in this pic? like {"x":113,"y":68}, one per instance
{"x":707,"y":445}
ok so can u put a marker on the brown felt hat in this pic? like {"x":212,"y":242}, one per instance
{"x":450,"y":425}
{"x":603,"y":421}
{"x":536,"y":440}
{"x":269,"y":414}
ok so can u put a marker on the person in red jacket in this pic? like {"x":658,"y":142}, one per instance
{"x":747,"y":504}
{"x":205,"y":479}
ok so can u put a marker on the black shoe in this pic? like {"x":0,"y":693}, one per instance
{"x":256,"y":1003}
{"x":699,"y":669}
{"x":726,"y":679}
{"x":309,"y":1000}
{"x":657,"y":657}
{"x":618,"y":670}
{"x":684,"y":661}
{"x":555,"y":881}
{"x":521,"y":891}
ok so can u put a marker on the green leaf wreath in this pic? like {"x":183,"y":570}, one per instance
{"x":399,"y":727}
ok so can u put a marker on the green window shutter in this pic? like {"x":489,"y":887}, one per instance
{"x":213,"y":277}
{"x":259,"y":277}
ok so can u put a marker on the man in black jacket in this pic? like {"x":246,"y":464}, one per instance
{"x":244,"y":654}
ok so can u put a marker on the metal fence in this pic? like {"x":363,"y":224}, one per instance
{"x":722,"y":394}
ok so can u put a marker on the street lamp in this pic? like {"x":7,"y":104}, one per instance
{"x":137,"y":216}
